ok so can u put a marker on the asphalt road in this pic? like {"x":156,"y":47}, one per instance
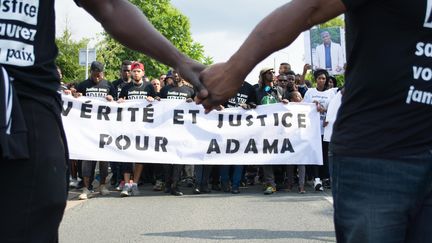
{"x":216,"y":217}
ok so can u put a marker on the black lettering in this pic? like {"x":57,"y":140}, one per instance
{"x":161,"y":143}
{"x":6,"y":6}
{"x":69,"y":107}
{"x":178,"y":117}
{"x":251,"y":146}
{"x":29,"y":56}
{"x":301,"y":118}
{"x":86,"y":108}
{"x":276,"y":119}
{"x":231,"y":120}
{"x":287,"y":146}
{"x":270,"y":148}
{"x":103,"y":111}
{"x":213,"y":147}
{"x":230,"y":143}
{"x":123,"y":138}
{"x":261,"y":118}
{"x":220,"y":119}
{"x":249,"y":120}
{"x":104,"y":139}
{"x":32,"y":11}
{"x":138,"y":143}
{"x":133,"y":112}
{"x":119,"y":114}
{"x":285,"y":123}
{"x":148,"y":114}
{"x":194,"y":115}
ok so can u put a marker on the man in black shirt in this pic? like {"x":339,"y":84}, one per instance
{"x":138,"y":89}
{"x":96,"y":85}
{"x":34,"y":205}
{"x":176,"y":91}
{"x":245,"y":98}
{"x":135,"y":90}
{"x":381,"y":145}
{"x":125,"y":76}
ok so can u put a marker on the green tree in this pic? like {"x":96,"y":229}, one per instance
{"x":166,"y":19}
{"x":68,"y":57}
{"x":335,"y":22}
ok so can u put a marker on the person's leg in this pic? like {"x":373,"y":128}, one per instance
{"x":159,"y":176}
{"x":198,"y":178}
{"x":420,"y":227}
{"x":224,"y":177}
{"x":116,"y":172}
{"x":176,"y":176}
{"x":290,"y":176}
{"x":237,"y":176}
{"x":302,"y":177}
{"x":207,"y":169}
{"x":373,"y":198}
{"x":269,"y":183}
{"x":215,"y":178}
{"x":126,"y":189}
{"x":87,"y":167}
{"x":32,"y":208}
{"x":103,"y":172}
{"x":138,"y":169}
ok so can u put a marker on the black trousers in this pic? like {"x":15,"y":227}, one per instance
{"x":34,"y":193}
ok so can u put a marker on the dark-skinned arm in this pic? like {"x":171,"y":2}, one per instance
{"x":128,"y":25}
{"x":224,"y":79}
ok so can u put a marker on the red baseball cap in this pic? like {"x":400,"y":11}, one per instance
{"x":136,"y":65}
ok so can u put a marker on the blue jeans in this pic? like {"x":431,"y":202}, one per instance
{"x":382,"y":200}
{"x":236,"y":177}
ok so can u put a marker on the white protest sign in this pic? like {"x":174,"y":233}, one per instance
{"x":176,"y":132}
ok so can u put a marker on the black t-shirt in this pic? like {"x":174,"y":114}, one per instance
{"x":27,"y":45}
{"x":386,"y":107}
{"x":102,"y":89}
{"x":179,"y":93}
{"x":246,"y":95}
{"x":137,"y":92}
{"x":119,"y":84}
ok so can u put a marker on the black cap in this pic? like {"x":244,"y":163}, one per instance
{"x":97,"y":66}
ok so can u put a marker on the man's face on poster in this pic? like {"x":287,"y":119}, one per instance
{"x":326,"y":37}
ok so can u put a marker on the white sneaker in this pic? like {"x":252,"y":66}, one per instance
{"x":126,"y":190}
{"x":103,"y":190}
{"x":84,"y":194}
{"x":73,"y":183}
{"x":135,"y":190}
{"x":318,"y":185}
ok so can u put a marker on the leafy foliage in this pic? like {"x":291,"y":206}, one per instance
{"x":167,"y":20}
{"x":335,"y":22}
{"x":68,"y":57}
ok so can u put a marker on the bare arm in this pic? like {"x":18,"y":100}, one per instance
{"x":267,"y":37}
{"x":127,"y":24}
{"x":224,"y":79}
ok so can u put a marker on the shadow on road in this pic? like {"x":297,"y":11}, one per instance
{"x":249,"y":234}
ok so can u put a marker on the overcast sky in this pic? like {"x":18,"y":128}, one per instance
{"x":219,"y":25}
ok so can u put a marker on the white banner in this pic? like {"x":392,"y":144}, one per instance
{"x":176,"y":132}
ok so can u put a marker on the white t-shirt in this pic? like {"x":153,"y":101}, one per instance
{"x":323,"y":97}
{"x":331,"y":115}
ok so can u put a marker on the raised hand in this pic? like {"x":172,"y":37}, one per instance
{"x":221,"y":82}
